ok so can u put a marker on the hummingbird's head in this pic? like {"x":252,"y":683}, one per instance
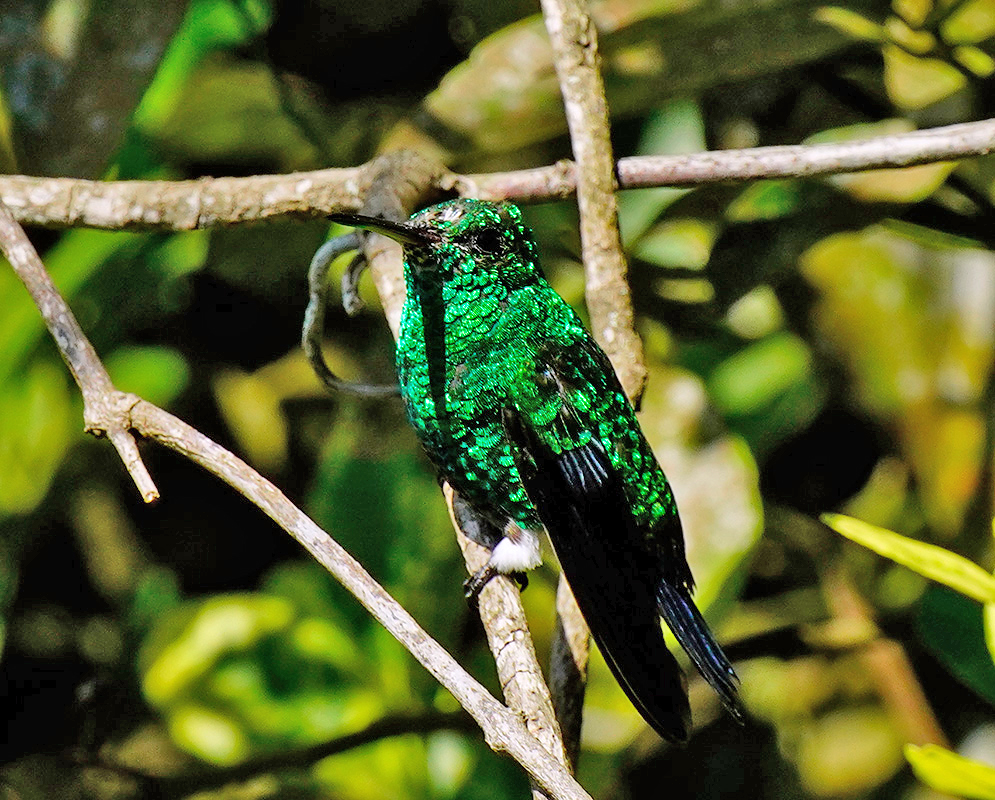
{"x":462,"y":238}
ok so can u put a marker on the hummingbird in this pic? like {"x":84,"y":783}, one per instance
{"x":521,"y":412}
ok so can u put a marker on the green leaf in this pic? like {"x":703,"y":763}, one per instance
{"x":677,"y":127}
{"x":928,"y":560}
{"x":947,"y":772}
{"x":851,"y":23}
{"x":989,"y":622}
{"x":157,"y":374}
{"x":191,"y":640}
{"x":36,"y":427}
{"x":754,"y":377}
{"x":950,"y":626}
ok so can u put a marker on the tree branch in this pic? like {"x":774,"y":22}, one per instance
{"x":105,"y":410}
{"x":117,"y":413}
{"x":209,"y":202}
{"x":948,"y":143}
{"x":575,"y":56}
{"x":501,"y":612}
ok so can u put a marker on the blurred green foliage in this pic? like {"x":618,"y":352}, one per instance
{"x":952,"y":627}
{"x":812,"y":345}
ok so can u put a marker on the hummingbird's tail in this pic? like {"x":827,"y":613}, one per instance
{"x":617,"y":581}
{"x":691,"y":630}
{"x":627,"y":631}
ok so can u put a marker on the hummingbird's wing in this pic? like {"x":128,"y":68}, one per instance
{"x":581,"y":505}
{"x":622,"y":585}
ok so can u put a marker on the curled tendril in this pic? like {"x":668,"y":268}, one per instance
{"x":314,"y":316}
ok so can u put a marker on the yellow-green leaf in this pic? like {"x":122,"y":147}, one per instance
{"x":947,"y":772}
{"x":927,"y":559}
{"x":989,"y":618}
{"x":851,"y":23}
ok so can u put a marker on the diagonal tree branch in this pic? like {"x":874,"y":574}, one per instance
{"x":105,"y":410}
{"x":501,"y":612}
{"x":110,"y":410}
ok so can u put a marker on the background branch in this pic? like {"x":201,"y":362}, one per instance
{"x":575,"y":55}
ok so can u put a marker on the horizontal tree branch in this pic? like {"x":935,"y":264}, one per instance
{"x":949,"y":143}
{"x":208,"y":202}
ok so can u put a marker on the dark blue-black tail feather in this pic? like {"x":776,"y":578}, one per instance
{"x":691,"y":630}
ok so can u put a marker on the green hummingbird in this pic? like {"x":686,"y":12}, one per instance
{"x":521,"y":411}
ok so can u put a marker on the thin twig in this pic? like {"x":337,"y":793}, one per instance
{"x":948,"y":143}
{"x":503,"y":730}
{"x":209,"y":202}
{"x":887,"y":663}
{"x":105,"y":410}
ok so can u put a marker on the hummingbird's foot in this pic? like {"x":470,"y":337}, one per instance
{"x":474,"y":585}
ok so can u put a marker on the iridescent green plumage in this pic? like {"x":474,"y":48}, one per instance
{"x":522,"y":413}
{"x":500,"y":323}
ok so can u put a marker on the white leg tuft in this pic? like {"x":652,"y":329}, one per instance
{"x":517,"y":551}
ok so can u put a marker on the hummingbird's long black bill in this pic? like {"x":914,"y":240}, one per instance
{"x":398,"y":231}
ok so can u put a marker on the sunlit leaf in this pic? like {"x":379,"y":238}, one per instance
{"x":972,"y":21}
{"x":849,"y":751}
{"x":851,"y":23}
{"x":214,"y":737}
{"x":909,"y":185}
{"x":765,"y":200}
{"x":929,"y":560}
{"x":975,"y":59}
{"x":190,"y":644}
{"x":253,"y":411}
{"x":914,"y":83}
{"x":947,"y":772}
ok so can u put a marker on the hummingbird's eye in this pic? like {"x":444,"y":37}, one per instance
{"x":489,"y":240}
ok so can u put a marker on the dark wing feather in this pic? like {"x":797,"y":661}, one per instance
{"x":582,"y":503}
